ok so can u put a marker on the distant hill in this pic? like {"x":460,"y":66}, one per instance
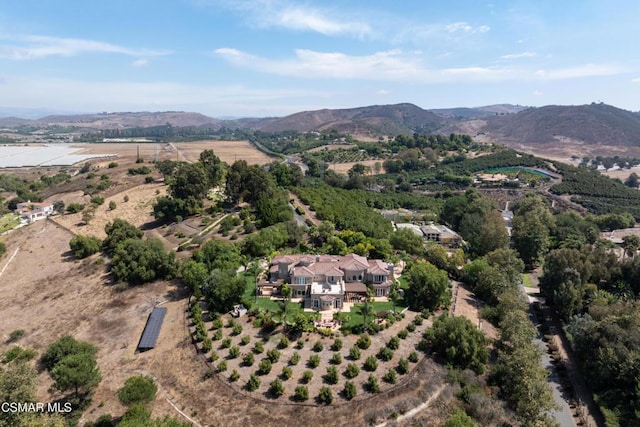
{"x":468,"y":113}
{"x":124,"y":120}
{"x":593,"y":124}
{"x":374,"y":120}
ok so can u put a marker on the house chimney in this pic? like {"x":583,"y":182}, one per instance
{"x":317,"y":258}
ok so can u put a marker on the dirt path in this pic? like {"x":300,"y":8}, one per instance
{"x":417,"y":409}
{"x":308,"y":214}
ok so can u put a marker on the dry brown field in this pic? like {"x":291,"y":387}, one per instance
{"x":343,"y":168}
{"x":228,"y":151}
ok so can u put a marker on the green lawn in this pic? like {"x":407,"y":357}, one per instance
{"x":526,"y":280}
{"x":8,"y":222}
{"x":356,"y":318}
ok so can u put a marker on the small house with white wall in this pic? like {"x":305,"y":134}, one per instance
{"x":30,"y":211}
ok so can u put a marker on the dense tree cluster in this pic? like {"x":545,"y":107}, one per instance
{"x":477,"y":220}
{"x":459,"y":342}
{"x":72,"y":365}
{"x":136,"y":261}
{"x":428,"y":286}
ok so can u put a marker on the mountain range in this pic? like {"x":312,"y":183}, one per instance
{"x":592,"y":124}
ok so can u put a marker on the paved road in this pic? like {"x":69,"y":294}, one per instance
{"x":563,"y":416}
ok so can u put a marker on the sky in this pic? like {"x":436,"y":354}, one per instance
{"x":241,"y":58}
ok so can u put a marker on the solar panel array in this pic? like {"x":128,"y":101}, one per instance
{"x":152,"y":329}
{"x":23,"y":156}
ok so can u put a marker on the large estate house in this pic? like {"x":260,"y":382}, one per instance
{"x":326,"y":282}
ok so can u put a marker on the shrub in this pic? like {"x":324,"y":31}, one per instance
{"x":295,"y":358}
{"x":235,"y":376}
{"x":112,"y":205}
{"x":318,"y":347}
{"x":222,"y":366}
{"x":248,"y":359}
{"x":371,"y":364}
{"x":253,"y":383}
{"x":273,"y":355}
{"x":394,"y":343}
{"x":276,"y":388}
{"x":74,"y":208}
{"x":390,"y":376}
{"x":283,"y":343}
{"x":336,"y":359}
{"x":325,"y":396}
{"x":314,"y":361}
{"x":237,"y":329}
{"x":364,"y":342}
{"x":18,"y":353}
{"x":258,"y":347}
{"x":84,"y":246}
{"x":16,"y":335}
{"x":385,"y":354}
{"x":307,"y":376}
{"x":287,"y":372}
{"x":148,"y":179}
{"x":207,"y":345}
{"x":372,"y":384}
{"x":97,"y":200}
{"x":265,"y":367}
{"x":349,"y":390}
{"x":216,"y":324}
{"x":300,"y":344}
{"x":354,"y":353}
{"x":301,"y":393}
{"x":137,"y":389}
{"x":113,"y":165}
{"x":337,"y":345}
{"x":403,"y":366}
{"x":245,"y":340}
{"x":226,"y":343}
{"x":403,"y":334}
{"x":351,"y":371}
{"x":332,"y":375}
{"x":217,"y":335}
{"x":214,"y":356}
{"x":418,"y":320}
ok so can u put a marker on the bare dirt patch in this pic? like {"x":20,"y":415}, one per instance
{"x":228,"y":151}
{"x":138,"y":210}
{"x":343,"y":168}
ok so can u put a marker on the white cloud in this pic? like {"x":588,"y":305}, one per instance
{"x":465,"y":27}
{"x":519,"y":55}
{"x":587,"y":70}
{"x":140,"y":63}
{"x":383,"y":92}
{"x":298,"y":17}
{"x":386,"y":65}
{"x":26,"y":47}
{"x":392,"y":65}
{"x":537,"y":93}
{"x":636,"y":80}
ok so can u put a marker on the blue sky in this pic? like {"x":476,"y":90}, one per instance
{"x":276,"y":57}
